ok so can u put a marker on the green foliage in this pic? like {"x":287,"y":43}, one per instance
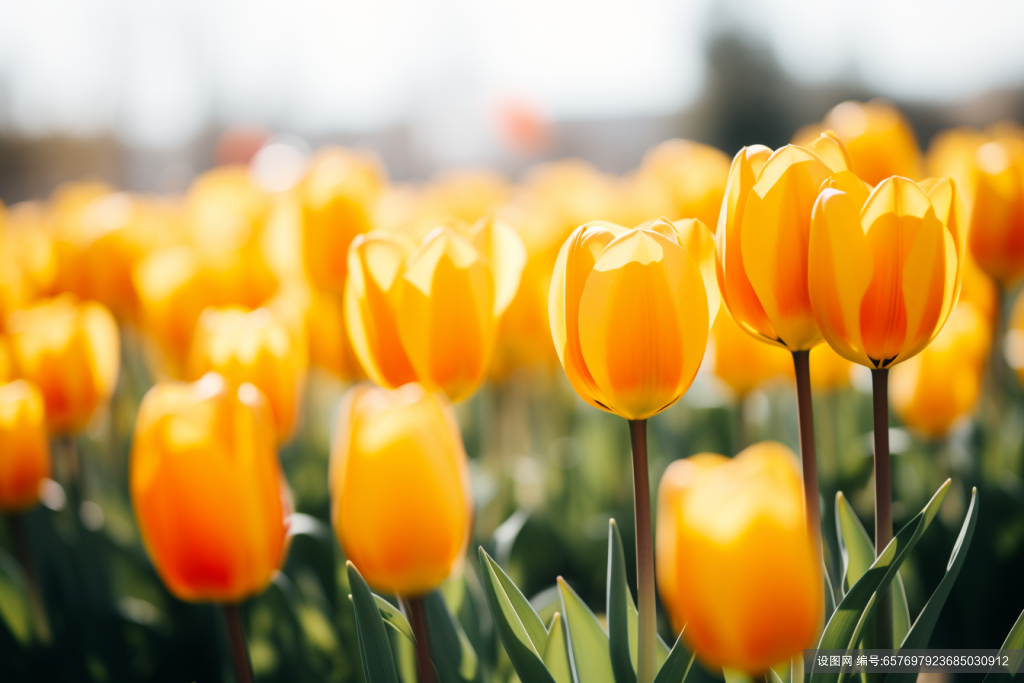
{"x":374,"y":646}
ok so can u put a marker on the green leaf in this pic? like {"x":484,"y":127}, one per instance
{"x":394,"y":618}
{"x":588,"y":643}
{"x":736,"y":676}
{"x":15,"y":608}
{"x":772,"y":677}
{"x":921,"y":632}
{"x":844,"y":628}
{"x":677,"y":665}
{"x":450,"y":649}
{"x":556,"y":653}
{"x":620,"y":639}
{"x":374,"y":646}
{"x":830,"y":597}
{"x":511,"y":612}
{"x":1014,"y":641}
{"x":858,"y":553}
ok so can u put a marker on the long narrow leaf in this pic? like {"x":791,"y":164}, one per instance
{"x":1014,"y":641}
{"x":374,"y":646}
{"x":618,"y":612}
{"x":588,"y":643}
{"x":677,"y":666}
{"x":453,"y":655}
{"x":556,"y":653}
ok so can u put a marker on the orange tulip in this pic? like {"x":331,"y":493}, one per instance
{"x":829,"y":370}
{"x":6,"y":362}
{"x":878,"y":138}
{"x":431,"y":315}
{"x":997,"y":217}
{"x":257,"y":347}
{"x":338,"y":196}
{"x":629,"y":313}
{"x":677,"y":482}
{"x":743,"y":362}
{"x":885,"y":266}
{"x":71,"y":351}
{"x":691,"y":175}
{"x":763,"y":236}
{"x":747,"y":583}
{"x":207,"y":490}
{"x":941,"y":385}
{"x":400,"y":497}
{"x":24,"y":448}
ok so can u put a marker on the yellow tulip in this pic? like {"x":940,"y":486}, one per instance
{"x":71,"y":351}
{"x":6,"y":362}
{"x":885,"y":266}
{"x":400,"y":497}
{"x":319,"y":317}
{"x":209,"y":496}
{"x":258,"y":347}
{"x":997,"y":217}
{"x":431,"y":315}
{"x":763,"y":236}
{"x":747,"y":582}
{"x":629,"y":315}
{"x":880,"y":141}
{"x":941,"y":385}
{"x":676,"y":483}
{"x":338,"y":196}
{"x":692,"y":176}
{"x":829,"y":370}
{"x":742,"y":362}
{"x":24,"y":448}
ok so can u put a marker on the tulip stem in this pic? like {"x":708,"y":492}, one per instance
{"x":35,"y":600}
{"x":808,"y":452}
{"x":239,"y":652}
{"x":883,"y":496}
{"x":646,"y":606}
{"x":418,"y":620}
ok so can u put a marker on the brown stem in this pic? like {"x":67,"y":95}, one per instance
{"x":808,"y":453}
{"x":647,"y":632}
{"x":418,"y":621}
{"x":883,"y":496}
{"x":35,"y":599}
{"x":239,"y":653}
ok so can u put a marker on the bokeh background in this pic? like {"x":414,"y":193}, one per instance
{"x":148,"y":95}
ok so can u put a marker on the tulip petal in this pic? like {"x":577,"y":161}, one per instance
{"x":501,"y":245}
{"x":775,"y":233}
{"x":733,"y":281}
{"x":949,"y":206}
{"x":697,"y":239}
{"x":831,"y":150}
{"x":839,"y":272}
{"x":643,"y":323}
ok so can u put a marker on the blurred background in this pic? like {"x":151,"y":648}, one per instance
{"x":146,"y":96}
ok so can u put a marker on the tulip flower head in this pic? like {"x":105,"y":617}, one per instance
{"x":430,"y":314}
{"x":24,"y":446}
{"x":692,"y":176}
{"x":401,"y":504}
{"x":742,"y":362}
{"x":747,"y":584}
{"x":71,"y":351}
{"x":677,"y":482}
{"x":629,"y":313}
{"x":997,"y":215}
{"x":885,"y":265}
{"x":257,"y":347}
{"x":207,"y":489}
{"x":763,"y":238}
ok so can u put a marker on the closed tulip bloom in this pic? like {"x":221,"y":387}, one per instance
{"x":829,"y":370}
{"x":338,"y":195}
{"x":6,"y":361}
{"x":997,"y":217}
{"x":880,"y":141}
{"x":678,"y":481}
{"x":763,"y":236}
{"x":258,"y":347}
{"x":24,"y":447}
{"x":400,"y":497}
{"x":71,"y":351}
{"x":629,"y":316}
{"x":743,"y":362}
{"x":693,"y":177}
{"x":748,"y":584}
{"x":938,"y":387}
{"x":207,"y":489}
{"x":885,"y":266}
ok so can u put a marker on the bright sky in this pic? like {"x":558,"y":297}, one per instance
{"x":155,"y":71}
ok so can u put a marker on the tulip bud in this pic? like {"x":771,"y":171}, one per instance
{"x":678,"y":481}
{"x":741,"y":361}
{"x":692,"y":175}
{"x":941,"y":385}
{"x":879,"y":140}
{"x":71,"y":351}
{"x":400,"y":497}
{"x":257,"y":347}
{"x":629,"y":316}
{"x":997,"y":217}
{"x":763,"y":238}
{"x":747,"y":582}
{"x":885,"y":267}
{"x":24,"y":448}
{"x":207,"y":489}
{"x":338,"y":196}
